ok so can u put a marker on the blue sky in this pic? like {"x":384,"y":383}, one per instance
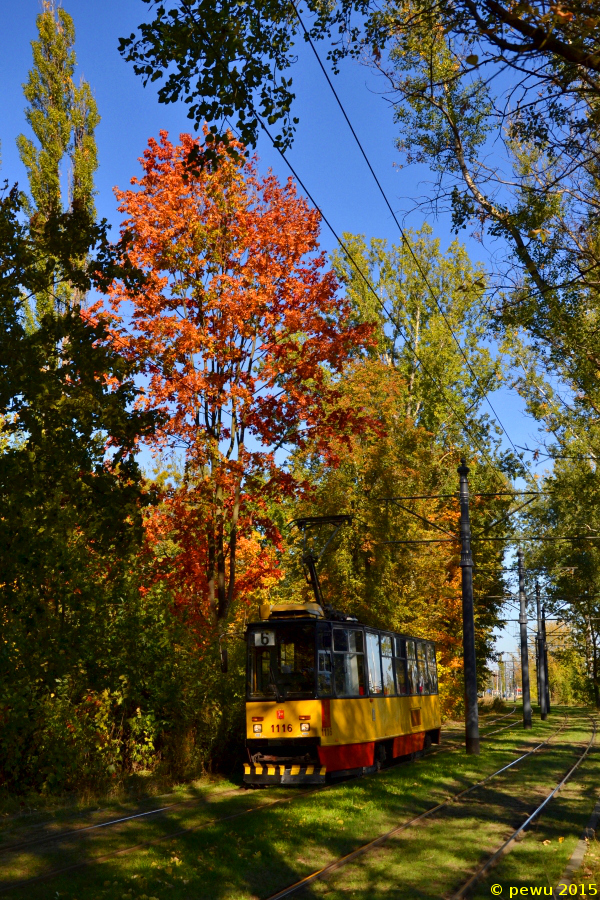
{"x":324,"y":153}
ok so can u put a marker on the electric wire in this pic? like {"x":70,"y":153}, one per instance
{"x":371,"y":288}
{"x":484,"y":394}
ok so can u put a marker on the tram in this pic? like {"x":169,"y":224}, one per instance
{"x":328,"y":697}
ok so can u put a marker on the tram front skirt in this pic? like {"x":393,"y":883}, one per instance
{"x":279,"y":774}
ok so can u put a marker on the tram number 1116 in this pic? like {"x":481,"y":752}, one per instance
{"x":281,"y":729}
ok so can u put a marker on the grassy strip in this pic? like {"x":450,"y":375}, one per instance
{"x":434,"y":859}
{"x":253,"y":856}
{"x":590,"y":870}
{"x":539,"y":859}
{"x":44,"y":823}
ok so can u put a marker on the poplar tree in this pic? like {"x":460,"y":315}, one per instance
{"x":61,"y":162}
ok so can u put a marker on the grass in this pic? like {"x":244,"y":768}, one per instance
{"x":136,"y":788}
{"x":254,"y":854}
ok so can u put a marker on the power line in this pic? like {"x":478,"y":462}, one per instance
{"x":455,"y":496}
{"x":507,"y":538}
{"x":537,"y":453}
{"x":370,"y":287}
{"x":400,"y":229}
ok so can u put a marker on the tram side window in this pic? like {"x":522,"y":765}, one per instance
{"x":402,"y":685}
{"x":423,"y":678}
{"x":432,"y":667}
{"x":411,"y":667}
{"x":387,"y":664}
{"x":348,"y":662}
{"x":374,"y":661}
{"x":325,"y":671}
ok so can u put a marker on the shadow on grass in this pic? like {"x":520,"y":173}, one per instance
{"x":255,"y":854}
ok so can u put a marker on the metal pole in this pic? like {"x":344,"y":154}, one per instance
{"x":545,"y":655}
{"x":524,"y":648}
{"x":538,"y":646}
{"x":537,"y":666}
{"x":514,"y":678}
{"x":469,"y":660}
{"x":541,"y":657}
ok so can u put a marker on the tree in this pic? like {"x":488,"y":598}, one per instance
{"x":543,"y":207}
{"x":63,"y":118}
{"x":240,"y":333}
{"x":569,"y":568}
{"x":226,"y":60}
{"x":443,"y":61}
{"x":70,"y":487}
{"x":424,"y":305}
{"x":374,"y":572}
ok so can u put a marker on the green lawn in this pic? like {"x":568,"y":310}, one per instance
{"x":252,"y":855}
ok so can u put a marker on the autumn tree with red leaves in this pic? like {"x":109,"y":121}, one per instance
{"x":243,"y":336}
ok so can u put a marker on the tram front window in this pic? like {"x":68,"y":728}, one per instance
{"x":282,"y":662}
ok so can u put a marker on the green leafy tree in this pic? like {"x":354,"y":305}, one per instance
{"x":375,"y":572}
{"x":63,"y":118}
{"x":539,"y":199}
{"x":569,"y":567}
{"x":228,"y":61}
{"x":535,"y":187}
{"x":71,"y":491}
{"x":418,"y":309}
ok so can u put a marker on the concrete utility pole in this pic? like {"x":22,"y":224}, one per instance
{"x":541,"y":661}
{"x":524,"y":648}
{"x":469,"y":660}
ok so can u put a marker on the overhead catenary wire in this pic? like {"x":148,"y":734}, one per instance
{"x":417,"y":261}
{"x":506,"y":538}
{"x":474,"y":494}
{"x":371,"y":288}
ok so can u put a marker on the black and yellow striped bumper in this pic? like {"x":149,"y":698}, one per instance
{"x":275,"y":774}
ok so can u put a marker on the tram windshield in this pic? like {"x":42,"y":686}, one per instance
{"x":282,"y":662}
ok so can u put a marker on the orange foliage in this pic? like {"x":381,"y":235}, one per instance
{"x":242,"y":336}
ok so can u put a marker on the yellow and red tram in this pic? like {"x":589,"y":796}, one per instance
{"x":329,"y":697}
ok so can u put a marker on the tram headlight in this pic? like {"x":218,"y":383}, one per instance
{"x":304,"y":727}
{"x":257,"y":729}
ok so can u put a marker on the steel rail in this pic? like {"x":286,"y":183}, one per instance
{"x":499,"y":719}
{"x":15,"y":848}
{"x":76,"y":832}
{"x":484,"y":737}
{"x":296,"y":796}
{"x":140,"y":846}
{"x":377,"y":842}
{"x":510,"y":842}
{"x":25,"y":845}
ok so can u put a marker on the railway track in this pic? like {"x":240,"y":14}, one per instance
{"x":369,"y":847}
{"x":77,"y":833}
{"x":31,"y":845}
{"x":84,"y":830}
{"x":61,"y":835}
{"x":79,"y":813}
{"x":509,"y":843}
{"x":499,"y":718}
